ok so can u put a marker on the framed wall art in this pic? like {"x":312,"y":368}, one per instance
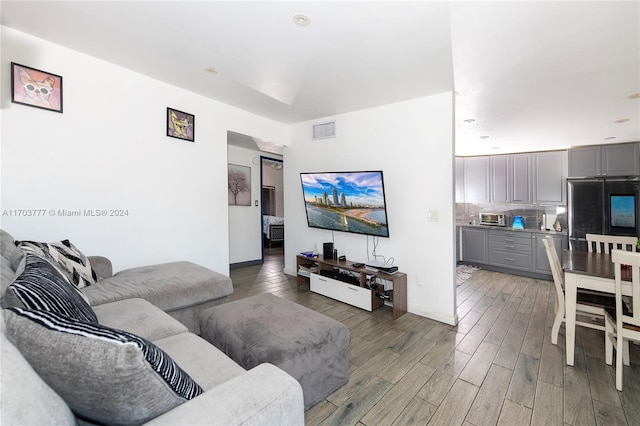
{"x":239,"y":185}
{"x":36,"y":88}
{"x":181,"y":125}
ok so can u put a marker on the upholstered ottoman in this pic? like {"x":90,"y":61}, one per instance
{"x":311,"y":347}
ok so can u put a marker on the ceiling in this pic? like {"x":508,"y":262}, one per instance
{"x":532,"y":75}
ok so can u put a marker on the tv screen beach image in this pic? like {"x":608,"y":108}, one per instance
{"x":346,"y":201}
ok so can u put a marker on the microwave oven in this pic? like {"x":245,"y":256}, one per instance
{"x":495,"y":219}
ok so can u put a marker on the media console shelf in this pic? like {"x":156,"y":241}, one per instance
{"x":356,"y":292}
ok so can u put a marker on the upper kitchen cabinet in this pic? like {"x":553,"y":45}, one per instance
{"x":476,"y":180}
{"x":621,"y":159}
{"x":605,"y":160}
{"x":520,"y":173}
{"x":459,"y":180}
{"x":510,"y":179}
{"x":499,"y":181}
{"x":550,"y":174}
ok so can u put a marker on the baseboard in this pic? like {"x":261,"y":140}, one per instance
{"x":451,"y":320}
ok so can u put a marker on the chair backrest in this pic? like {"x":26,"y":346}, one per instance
{"x":556,"y":267}
{"x":619,"y":258}
{"x":604,"y":243}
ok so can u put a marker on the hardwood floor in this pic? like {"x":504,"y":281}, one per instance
{"x":497,"y":366}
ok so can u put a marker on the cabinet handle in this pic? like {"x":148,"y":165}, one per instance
{"x":508,"y":240}
{"x":509,"y":246}
{"x":353,"y":289}
{"x":509,"y":259}
{"x":323,"y":280}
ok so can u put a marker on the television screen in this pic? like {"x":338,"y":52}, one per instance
{"x":623,"y":211}
{"x":346,"y":201}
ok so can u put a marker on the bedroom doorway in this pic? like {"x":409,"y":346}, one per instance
{"x":272,"y":202}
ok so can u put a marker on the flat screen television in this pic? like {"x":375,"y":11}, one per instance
{"x":346,"y":201}
{"x":623,"y":211}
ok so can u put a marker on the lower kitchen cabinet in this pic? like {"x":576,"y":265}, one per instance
{"x":519,"y":252}
{"x":511,"y":249}
{"x":474,"y":245}
{"x":540,"y":259}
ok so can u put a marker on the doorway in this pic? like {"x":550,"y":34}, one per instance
{"x":272,"y":201}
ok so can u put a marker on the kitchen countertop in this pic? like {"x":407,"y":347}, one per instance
{"x":508,"y":228}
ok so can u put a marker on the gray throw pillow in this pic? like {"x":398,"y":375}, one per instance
{"x":40,"y":285}
{"x":72,"y":261}
{"x":106,"y":376}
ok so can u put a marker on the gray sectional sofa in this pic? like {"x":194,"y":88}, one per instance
{"x":134,"y":363}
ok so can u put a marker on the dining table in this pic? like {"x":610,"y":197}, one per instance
{"x":591,"y":271}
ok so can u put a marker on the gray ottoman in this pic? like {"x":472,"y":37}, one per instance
{"x":311,"y":347}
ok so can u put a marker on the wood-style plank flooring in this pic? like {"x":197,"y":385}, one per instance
{"x":497,"y":366}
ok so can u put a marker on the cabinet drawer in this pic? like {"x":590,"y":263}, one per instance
{"x":508,"y":245}
{"x":324,"y":286}
{"x":357,"y":296}
{"x":510,"y":259}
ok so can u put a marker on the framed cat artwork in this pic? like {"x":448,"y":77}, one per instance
{"x":181,"y":125}
{"x":36,"y":88}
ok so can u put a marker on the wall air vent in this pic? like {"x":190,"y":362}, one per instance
{"x":324,"y":130}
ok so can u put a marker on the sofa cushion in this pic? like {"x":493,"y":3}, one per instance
{"x":208,"y":365}
{"x":139,"y":317}
{"x":105,"y":375}
{"x":169,"y":286}
{"x":73,"y":262}
{"x":40,"y":285}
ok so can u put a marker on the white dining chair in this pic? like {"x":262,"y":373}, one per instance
{"x":622,"y":323}
{"x":604,"y":243}
{"x":588,"y":304}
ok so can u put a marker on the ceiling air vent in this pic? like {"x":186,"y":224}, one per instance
{"x":324,"y":130}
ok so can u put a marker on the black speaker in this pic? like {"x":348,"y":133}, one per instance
{"x":327,"y":251}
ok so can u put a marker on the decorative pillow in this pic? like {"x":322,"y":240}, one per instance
{"x":40,"y":285}
{"x":72,"y":261}
{"x":107,"y":376}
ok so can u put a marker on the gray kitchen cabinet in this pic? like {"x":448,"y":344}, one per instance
{"x":510,"y":179}
{"x":500,"y":181}
{"x":605,"y":160}
{"x":540,"y":259}
{"x":520,"y":174}
{"x":621,"y":159}
{"x":550,"y":174}
{"x":474,"y":245}
{"x":510,"y":249}
{"x":459,"y":180}
{"x":476,"y":180}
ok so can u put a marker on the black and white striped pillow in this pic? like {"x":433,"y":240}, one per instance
{"x":40,"y":285}
{"x":105,"y":375}
{"x":71,"y":260}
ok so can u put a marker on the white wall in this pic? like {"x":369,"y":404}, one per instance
{"x":109,"y":150}
{"x":245,"y":222}
{"x":412,"y":143}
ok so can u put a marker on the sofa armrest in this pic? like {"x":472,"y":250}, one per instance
{"x":265,"y":395}
{"x":102,"y":266}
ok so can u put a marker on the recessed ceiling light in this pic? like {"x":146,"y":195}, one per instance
{"x":609,"y":138}
{"x":484,"y":137}
{"x":635,"y":96}
{"x":469,"y":120}
{"x":301,"y":19}
{"x":622,"y":120}
{"x":211,"y":70}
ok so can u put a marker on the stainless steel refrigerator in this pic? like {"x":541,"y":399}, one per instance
{"x":602,"y":206}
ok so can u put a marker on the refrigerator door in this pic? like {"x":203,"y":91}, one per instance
{"x":622,"y":207}
{"x":585,"y":212}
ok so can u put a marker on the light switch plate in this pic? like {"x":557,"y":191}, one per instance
{"x":433,"y":216}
